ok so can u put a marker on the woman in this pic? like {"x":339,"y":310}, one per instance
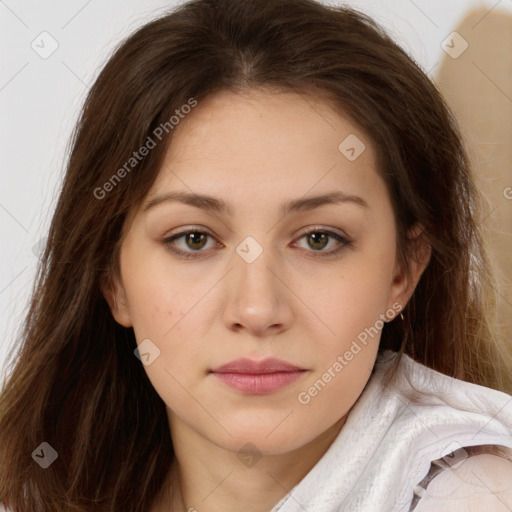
{"x":264,"y":286}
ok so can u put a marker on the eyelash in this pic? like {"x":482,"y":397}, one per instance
{"x":345,"y":242}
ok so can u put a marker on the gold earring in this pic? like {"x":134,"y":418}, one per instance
{"x":402,"y":317}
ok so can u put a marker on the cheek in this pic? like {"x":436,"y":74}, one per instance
{"x":332,"y":393}
{"x":164,"y":308}
{"x":352,"y":300}
{"x":158,"y":295}
{"x":346,"y":352}
{"x":153,"y":308}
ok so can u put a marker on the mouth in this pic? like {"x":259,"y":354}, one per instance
{"x":258,"y":377}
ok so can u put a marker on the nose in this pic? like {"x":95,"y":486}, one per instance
{"x":258,"y":299}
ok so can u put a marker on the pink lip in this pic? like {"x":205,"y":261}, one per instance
{"x":269,"y":365}
{"x":258,"y":377}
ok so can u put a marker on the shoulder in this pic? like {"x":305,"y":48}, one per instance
{"x":481,"y":482}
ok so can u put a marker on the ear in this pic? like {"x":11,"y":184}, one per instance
{"x":113,"y":290}
{"x":403,"y":285}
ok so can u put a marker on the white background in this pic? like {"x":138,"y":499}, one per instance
{"x":40,"y":98}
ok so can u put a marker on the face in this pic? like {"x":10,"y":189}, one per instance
{"x":261,"y":269}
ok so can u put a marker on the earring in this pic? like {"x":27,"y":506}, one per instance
{"x":402,"y":317}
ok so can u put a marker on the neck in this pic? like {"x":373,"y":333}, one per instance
{"x":207,"y":478}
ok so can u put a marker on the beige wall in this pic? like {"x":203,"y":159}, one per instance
{"x":478,"y":87}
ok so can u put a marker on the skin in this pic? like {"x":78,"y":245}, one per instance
{"x":256,"y":150}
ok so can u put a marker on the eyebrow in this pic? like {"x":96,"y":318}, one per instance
{"x":215,"y":205}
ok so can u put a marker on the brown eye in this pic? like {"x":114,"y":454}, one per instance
{"x":318,"y":240}
{"x":191,"y":242}
{"x":195,"y":240}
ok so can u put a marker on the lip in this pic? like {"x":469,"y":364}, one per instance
{"x":258,"y":377}
{"x":270,"y":365}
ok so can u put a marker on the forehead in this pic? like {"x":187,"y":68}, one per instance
{"x":245,"y":139}
{"x":260,"y":119}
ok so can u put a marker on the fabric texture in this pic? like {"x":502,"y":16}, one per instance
{"x":453,"y":461}
{"x":394,"y":433}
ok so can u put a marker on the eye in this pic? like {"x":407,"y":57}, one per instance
{"x":195,"y":240}
{"x":319,"y":239}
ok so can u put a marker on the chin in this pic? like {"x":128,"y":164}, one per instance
{"x":266,"y":437}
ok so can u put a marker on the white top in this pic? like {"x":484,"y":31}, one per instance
{"x":391,"y":446}
{"x":388,"y":442}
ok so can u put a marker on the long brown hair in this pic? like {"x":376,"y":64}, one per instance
{"x":75,"y":383}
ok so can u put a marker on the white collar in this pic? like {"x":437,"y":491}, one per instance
{"x":388,"y":441}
